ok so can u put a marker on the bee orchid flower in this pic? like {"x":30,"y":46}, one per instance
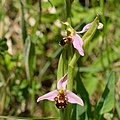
{"x":61,"y":95}
{"x":76,"y":40}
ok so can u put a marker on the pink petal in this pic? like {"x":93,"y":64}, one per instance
{"x":77,"y":43}
{"x":62,"y":82}
{"x":49,"y":96}
{"x":85,"y":28}
{"x":73,"y":98}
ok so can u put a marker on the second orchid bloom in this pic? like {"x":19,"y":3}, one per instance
{"x":76,"y":40}
{"x":61,"y":95}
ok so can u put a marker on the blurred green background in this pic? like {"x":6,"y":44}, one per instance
{"x":30,"y":50}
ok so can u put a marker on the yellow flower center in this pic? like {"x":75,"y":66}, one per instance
{"x":61,"y":91}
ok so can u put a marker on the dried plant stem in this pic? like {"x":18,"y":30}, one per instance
{"x":23,"y":23}
{"x":40,"y":11}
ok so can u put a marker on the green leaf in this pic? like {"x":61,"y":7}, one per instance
{"x":23,"y":84}
{"x":26,"y":118}
{"x":46,"y":66}
{"x":90,"y":82}
{"x":107,"y":100}
{"x":62,"y":65}
{"x":29,"y":57}
{"x":90,"y":33}
{"x":79,"y":112}
{"x":2,"y":12}
{"x":3,"y":45}
{"x":23,"y":23}
{"x":117,"y":105}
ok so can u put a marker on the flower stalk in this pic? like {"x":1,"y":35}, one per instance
{"x":65,"y":73}
{"x":91,"y":29}
{"x":68,"y":9}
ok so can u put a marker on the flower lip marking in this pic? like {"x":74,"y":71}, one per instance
{"x":61,"y":100}
{"x":65,"y":40}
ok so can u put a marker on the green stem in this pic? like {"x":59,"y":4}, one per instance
{"x":104,"y":34}
{"x":33,"y":97}
{"x":70,"y":78}
{"x":68,"y":8}
{"x":70,"y":55}
{"x":67,"y":112}
{"x":23,"y":23}
{"x":70,"y":69}
{"x":62,"y":114}
{"x":74,"y":59}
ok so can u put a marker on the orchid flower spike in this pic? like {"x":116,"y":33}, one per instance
{"x":75,"y":39}
{"x":61,"y":96}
